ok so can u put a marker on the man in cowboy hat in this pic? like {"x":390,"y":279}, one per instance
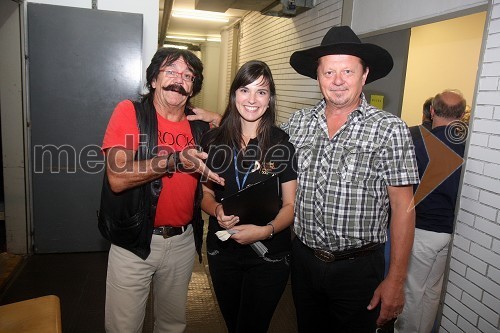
{"x":356,"y":163}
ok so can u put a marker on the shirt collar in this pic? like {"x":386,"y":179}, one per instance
{"x":362,"y":108}
{"x":319,"y":109}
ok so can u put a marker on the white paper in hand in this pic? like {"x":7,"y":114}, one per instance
{"x":225,"y":234}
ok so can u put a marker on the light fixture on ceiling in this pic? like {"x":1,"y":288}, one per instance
{"x":193,"y":38}
{"x":213,"y":39}
{"x":182,"y":47}
{"x":200,"y":15}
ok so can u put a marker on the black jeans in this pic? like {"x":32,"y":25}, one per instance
{"x":248,"y":288}
{"x":332,"y":297}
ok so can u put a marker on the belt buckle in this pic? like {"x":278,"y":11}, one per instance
{"x":164,"y":231}
{"x":324,"y":255}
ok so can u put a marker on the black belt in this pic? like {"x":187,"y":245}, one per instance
{"x":331,"y":256}
{"x":168,"y":231}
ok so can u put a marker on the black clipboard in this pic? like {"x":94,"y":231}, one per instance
{"x":257,"y":204}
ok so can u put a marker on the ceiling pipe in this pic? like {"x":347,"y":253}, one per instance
{"x":167,"y":10}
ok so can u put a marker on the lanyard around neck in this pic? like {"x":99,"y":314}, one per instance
{"x":236,"y":172}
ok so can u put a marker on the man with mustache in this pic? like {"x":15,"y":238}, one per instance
{"x":166,"y":256}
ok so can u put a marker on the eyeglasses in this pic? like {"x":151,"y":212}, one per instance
{"x":185,"y":76}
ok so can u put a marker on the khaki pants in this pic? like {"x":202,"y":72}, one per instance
{"x":169,"y":266}
{"x":424,"y":282}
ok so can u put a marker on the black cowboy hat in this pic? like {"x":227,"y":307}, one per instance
{"x":342,"y":40}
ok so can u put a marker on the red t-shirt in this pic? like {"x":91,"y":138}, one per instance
{"x":176,"y":202}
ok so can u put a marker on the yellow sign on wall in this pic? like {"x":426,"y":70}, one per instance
{"x":377,"y":101}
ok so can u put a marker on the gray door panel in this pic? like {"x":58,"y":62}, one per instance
{"x":82,"y":62}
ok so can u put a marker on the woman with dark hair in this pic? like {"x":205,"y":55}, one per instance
{"x":246,"y":149}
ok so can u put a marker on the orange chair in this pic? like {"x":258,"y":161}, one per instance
{"x":36,"y":315}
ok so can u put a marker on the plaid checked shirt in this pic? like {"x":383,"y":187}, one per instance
{"x":342,"y":200}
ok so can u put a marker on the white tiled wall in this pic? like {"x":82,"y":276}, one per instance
{"x":472,"y":300}
{"x":229,"y":53}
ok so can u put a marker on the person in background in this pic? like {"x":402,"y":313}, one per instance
{"x":172,"y":78}
{"x":415,"y":133}
{"x":466,"y":116}
{"x":435,"y":216}
{"x":248,"y":148}
{"x":426,"y":120}
{"x":355,"y":162}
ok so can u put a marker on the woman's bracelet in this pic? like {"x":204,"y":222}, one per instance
{"x":272,"y":232}
{"x":215,"y":210}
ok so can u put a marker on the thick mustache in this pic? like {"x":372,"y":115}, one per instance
{"x":177,"y":88}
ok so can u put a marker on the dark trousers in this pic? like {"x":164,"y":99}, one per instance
{"x":332,"y":297}
{"x":248,"y":288}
